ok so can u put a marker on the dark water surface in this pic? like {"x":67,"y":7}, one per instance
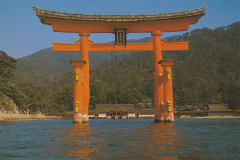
{"x":121,"y":139}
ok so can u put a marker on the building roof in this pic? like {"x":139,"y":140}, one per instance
{"x":115,"y":107}
{"x":118,"y":18}
{"x":145,"y":111}
{"x":218,"y":108}
{"x":191,"y":111}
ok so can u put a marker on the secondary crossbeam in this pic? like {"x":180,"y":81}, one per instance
{"x":165,"y":46}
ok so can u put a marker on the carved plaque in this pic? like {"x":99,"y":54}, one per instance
{"x":120,"y":37}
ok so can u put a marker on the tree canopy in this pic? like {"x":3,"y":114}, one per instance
{"x":7,"y":64}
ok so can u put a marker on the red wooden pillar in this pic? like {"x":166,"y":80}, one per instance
{"x":78,"y":81}
{"x":168,"y":91}
{"x":158,"y":79}
{"x":85,"y":88}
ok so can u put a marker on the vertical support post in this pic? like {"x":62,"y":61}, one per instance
{"x":86,"y":90}
{"x":78,"y":81}
{"x":158,"y":79}
{"x":168,"y":92}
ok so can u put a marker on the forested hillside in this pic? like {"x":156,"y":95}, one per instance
{"x":209,"y":72}
{"x":47,"y":66}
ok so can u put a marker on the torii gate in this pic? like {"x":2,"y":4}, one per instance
{"x":120,"y":25}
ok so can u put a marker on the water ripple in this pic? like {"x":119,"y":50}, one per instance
{"x":121,"y":139}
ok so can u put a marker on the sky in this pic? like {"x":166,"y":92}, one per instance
{"x":22,"y":33}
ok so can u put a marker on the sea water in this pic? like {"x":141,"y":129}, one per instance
{"x":121,"y":139}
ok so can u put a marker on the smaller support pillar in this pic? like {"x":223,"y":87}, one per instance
{"x":78,"y":82}
{"x":168,"y":92}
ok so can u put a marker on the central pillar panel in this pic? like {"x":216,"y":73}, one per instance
{"x":85,"y":87}
{"x":78,"y":81}
{"x":158,"y":78}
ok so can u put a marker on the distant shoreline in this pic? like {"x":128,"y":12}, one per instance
{"x":217,"y":117}
{"x":212,"y":117}
{"x":31,"y":117}
{"x":25,"y":117}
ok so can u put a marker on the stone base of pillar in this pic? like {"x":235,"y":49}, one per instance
{"x":77,"y":118}
{"x":85,"y":118}
{"x":159,"y":115}
{"x":169,"y":117}
{"x":158,"y":119}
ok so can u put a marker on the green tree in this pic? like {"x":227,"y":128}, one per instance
{"x":7,"y":65}
{"x":233,"y":95}
{"x":97,"y":94}
{"x":35,"y":97}
{"x":65,"y":98}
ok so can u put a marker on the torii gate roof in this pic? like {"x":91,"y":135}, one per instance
{"x":77,"y":23}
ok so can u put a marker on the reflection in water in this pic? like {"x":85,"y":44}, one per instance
{"x":78,"y":143}
{"x":162,"y":137}
{"x":163,"y":141}
{"x":121,"y":139}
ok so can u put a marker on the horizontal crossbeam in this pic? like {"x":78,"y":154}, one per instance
{"x":166,"y":46}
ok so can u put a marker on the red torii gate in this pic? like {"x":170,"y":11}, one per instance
{"x":121,"y":25}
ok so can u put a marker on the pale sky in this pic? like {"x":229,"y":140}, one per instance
{"x":22,"y":33}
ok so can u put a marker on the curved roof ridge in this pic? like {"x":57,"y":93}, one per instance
{"x":42,"y":13}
